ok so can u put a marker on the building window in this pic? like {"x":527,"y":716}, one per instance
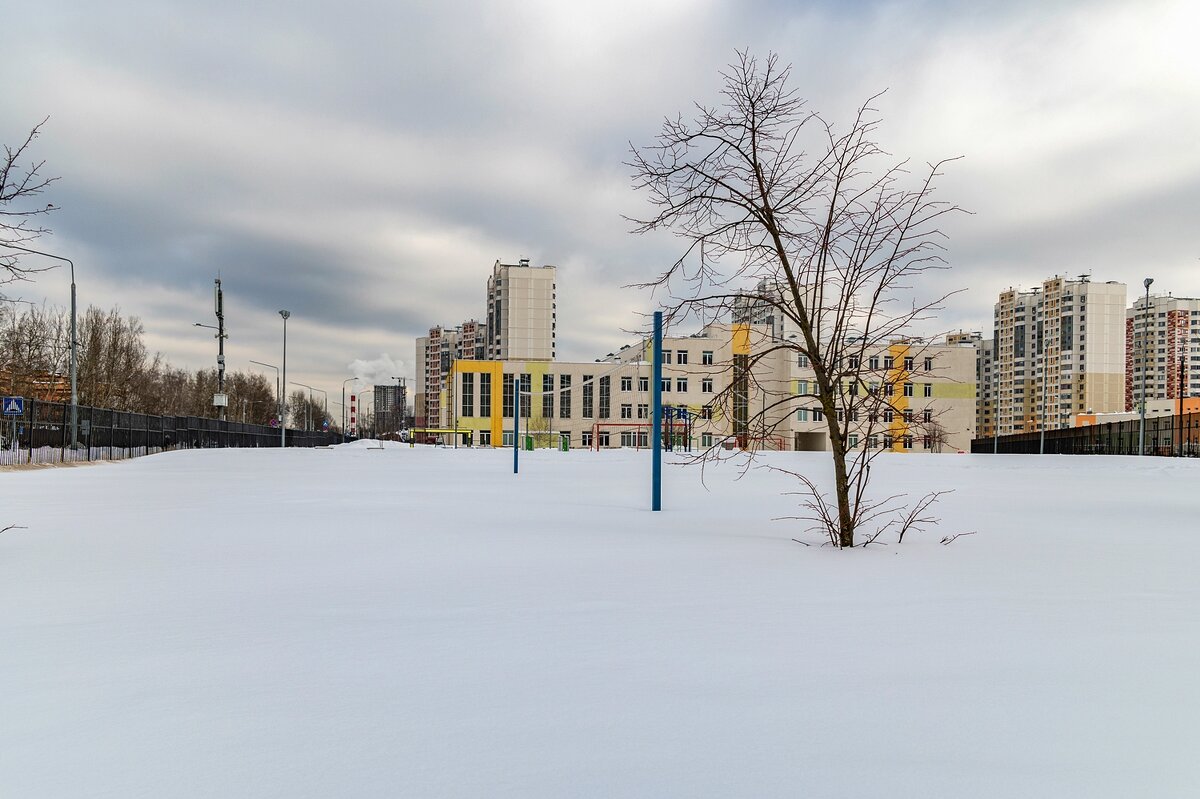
{"x":507,"y":438}
{"x":706,"y":412}
{"x":666,"y":356}
{"x":889,"y":362}
{"x":605,"y":439}
{"x":873,"y":362}
{"x":818,"y":415}
{"x":908,"y":442}
{"x":802,"y":361}
{"x":681,"y":384}
{"x":627,"y":438}
{"x":926,"y":442}
{"x":929,"y":389}
{"x":485,"y":397}
{"x":908,"y":415}
{"x":547,"y":396}
{"x":468,"y":394}
{"x":681,"y":357}
{"x":706,"y":385}
{"x":929,"y":364}
{"x":852,"y":361}
{"x":526,"y":395}
{"x":585,"y":439}
{"x":589,"y":387}
{"x":564,"y":398}
{"x":627,"y":383}
{"x":666,"y":385}
{"x":908,"y":364}
{"x":908,"y":389}
{"x":872,"y":441}
{"x":485,"y":438}
{"x":643,"y":411}
{"x":889,"y":416}
{"x":706,"y":358}
{"x":605,"y":397}
{"x":888,"y":389}
{"x":854,"y":441}
{"x":626,"y":410}
{"x":706,"y":440}
{"x":507,"y":407}
{"x":927,"y":415}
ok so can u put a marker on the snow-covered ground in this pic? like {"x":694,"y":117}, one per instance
{"x":421,"y":623}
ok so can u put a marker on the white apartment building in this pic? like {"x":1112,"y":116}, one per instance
{"x":1163,"y":341}
{"x":1059,"y":350}
{"x":522,"y":312}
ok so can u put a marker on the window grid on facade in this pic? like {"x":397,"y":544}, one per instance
{"x":564,"y":397}
{"x":605,"y":397}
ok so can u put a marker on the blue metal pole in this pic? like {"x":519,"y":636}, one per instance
{"x":516,"y":423}
{"x":656,"y":424}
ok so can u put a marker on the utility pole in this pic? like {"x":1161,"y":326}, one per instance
{"x":219,"y":300}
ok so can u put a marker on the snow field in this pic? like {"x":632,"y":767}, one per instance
{"x":421,"y":622}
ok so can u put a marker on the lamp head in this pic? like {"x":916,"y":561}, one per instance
{"x":1147,"y":282}
{"x":285,"y":314}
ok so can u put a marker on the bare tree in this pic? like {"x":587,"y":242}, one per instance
{"x":815,"y":223}
{"x":22,"y":180}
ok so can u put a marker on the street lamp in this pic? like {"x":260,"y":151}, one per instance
{"x":278,"y":396}
{"x":283,"y":383}
{"x":74,"y":342}
{"x":308,"y":410}
{"x":1145,"y":366}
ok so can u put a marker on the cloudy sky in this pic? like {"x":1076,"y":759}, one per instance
{"x":365,"y":164}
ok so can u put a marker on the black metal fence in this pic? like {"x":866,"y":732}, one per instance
{"x":1165,"y":435}
{"x":42,"y":434}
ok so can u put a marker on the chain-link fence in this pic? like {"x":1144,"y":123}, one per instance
{"x":42,"y":434}
{"x":1165,"y":435}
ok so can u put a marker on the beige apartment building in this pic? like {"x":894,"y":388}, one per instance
{"x":522,"y":312}
{"x":1163,"y":341}
{"x":1058,"y":350}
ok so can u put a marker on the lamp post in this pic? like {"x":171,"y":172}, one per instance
{"x":1145,"y":366}
{"x":283,"y":383}
{"x":74,"y":341}
{"x":278,"y":396}
{"x":308,"y":410}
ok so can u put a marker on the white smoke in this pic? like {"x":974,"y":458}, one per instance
{"x":381,"y":371}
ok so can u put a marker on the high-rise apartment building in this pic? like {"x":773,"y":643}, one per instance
{"x":1057,"y":351}
{"x":522,"y":317}
{"x":1163,"y":339}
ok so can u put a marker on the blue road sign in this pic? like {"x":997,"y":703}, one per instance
{"x":14,"y":406}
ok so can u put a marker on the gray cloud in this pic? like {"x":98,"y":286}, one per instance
{"x":364,"y":164}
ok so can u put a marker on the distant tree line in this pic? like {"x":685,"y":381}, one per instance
{"x":116,"y":371}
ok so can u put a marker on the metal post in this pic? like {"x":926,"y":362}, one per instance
{"x":1145,"y":367}
{"x":220,"y":307}
{"x":656,"y":423}
{"x":516,"y":422}
{"x":283,"y":385}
